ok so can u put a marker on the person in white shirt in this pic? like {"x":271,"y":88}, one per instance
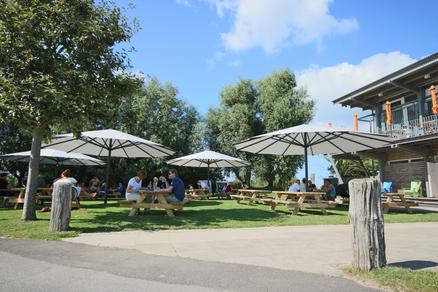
{"x":134,"y":185}
{"x":295,"y":187}
{"x":303,"y":185}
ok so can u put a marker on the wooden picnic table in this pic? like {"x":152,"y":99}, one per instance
{"x":403,"y":202}
{"x":197,"y":194}
{"x":44,"y":193}
{"x":17,"y":199}
{"x":297,"y":200}
{"x":159,"y":195}
{"x":259,"y":196}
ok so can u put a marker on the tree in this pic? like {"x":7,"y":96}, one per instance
{"x":282,"y":105}
{"x":156,"y":113}
{"x":58,"y":66}
{"x":251,"y":108}
{"x":13,"y":139}
{"x":235,"y":120}
{"x":356,"y":168}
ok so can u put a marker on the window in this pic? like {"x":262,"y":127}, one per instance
{"x":412,"y":98}
{"x":428,"y":108}
{"x":412,"y":111}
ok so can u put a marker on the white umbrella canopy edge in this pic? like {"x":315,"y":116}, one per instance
{"x":299,"y":140}
{"x":109,"y":143}
{"x":102,"y":142}
{"x":291,"y":141}
{"x":56,"y":157}
{"x":208,"y":159}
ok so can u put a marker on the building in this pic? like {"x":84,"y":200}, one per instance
{"x":400,"y":105}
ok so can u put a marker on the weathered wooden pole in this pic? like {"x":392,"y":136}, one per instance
{"x":366,"y":216}
{"x":61,"y":205}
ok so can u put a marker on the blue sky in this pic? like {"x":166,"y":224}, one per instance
{"x":332,"y":46}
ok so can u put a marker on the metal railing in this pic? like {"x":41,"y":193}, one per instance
{"x":419,"y":127}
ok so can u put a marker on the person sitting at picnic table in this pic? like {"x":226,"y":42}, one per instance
{"x":134,"y":185}
{"x":295,"y":187}
{"x":303,"y":185}
{"x":329,"y":189}
{"x":176,"y":188}
{"x":311,"y":187}
{"x":94,"y":186}
{"x":154,"y":184}
{"x":163,"y":183}
{"x":229,"y":188}
{"x":4,"y":185}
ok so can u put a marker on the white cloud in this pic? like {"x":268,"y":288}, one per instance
{"x":184,"y":3}
{"x":273,"y":24}
{"x":235,"y":63}
{"x":325,"y":84}
{"x":218,"y":57}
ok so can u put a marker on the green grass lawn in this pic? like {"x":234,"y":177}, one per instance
{"x":197,"y":214}
{"x":401,"y":279}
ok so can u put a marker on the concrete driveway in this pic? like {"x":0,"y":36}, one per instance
{"x":315,"y":249}
{"x":46,"y":266}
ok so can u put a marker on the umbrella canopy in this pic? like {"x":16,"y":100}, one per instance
{"x":301,"y":140}
{"x":56,"y":157}
{"x":208,"y":159}
{"x":109,"y":143}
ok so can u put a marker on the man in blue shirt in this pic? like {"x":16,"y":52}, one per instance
{"x":176,"y":188}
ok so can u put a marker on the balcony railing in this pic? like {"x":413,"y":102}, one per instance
{"x":414,"y":128}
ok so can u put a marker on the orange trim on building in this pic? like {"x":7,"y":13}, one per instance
{"x":434,"y":103}
{"x":388,"y":114}
{"x":356,"y":123}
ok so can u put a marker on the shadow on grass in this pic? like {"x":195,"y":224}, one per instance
{"x":157,"y":219}
{"x":415,"y":265}
{"x":203,"y":203}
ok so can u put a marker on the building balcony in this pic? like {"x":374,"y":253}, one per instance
{"x":419,"y":127}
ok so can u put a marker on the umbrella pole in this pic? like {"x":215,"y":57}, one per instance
{"x":208,"y":177}
{"x":108,"y":172}
{"x":306,"y":167}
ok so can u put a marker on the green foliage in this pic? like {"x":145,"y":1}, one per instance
{"x":235,"y":120}
{"x":400,"y":279}
{"x":251,"y":108}
{"x":356,"y":168}
{"x":154,"y":112}
{"x":282,"y":105}
{"x":58,"y":62}
{"x":13,"y":139}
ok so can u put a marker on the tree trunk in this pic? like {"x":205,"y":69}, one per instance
{"x":32,"y":175}
{"x":61,"y":205}
{"x":366,"y":216}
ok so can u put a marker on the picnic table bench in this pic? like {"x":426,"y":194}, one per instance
{"x":197,"y":194}
{"x":41,"y":195}
{"x":402,"y":203}
{"x":259,"y":196}
{"x":297,"y":200}
{"x":160,"y":196}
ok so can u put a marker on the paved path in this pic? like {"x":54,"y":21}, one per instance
{"x":37,"y":265}
{"x":316,"y":249}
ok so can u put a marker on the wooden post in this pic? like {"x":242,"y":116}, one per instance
{"x":366,"y":216}
{"x":61,"y":205}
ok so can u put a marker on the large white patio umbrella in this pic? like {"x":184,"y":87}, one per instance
{"x":208,"y":159}
{"x":301,"y":140}
{"x":109,"y":143}
{"x":56,"y":157}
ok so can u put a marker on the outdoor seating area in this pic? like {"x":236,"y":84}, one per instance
{"x":16,"y":196}
{"x":152,"y":200}
{"x":292,"y":200}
